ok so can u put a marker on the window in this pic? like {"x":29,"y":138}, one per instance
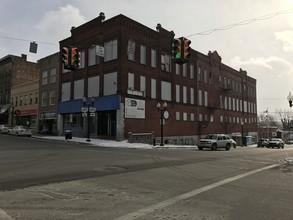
{"x":36,"y":97}
{"x":198,"y":74}
{"x":192,"y":117}
{"x":199,"y":97}
{"x":93,"y":58}
{"x":206,"y":98}
{"x":153,"y":58}
{"x":184,"y":116}
{"x":110,"y":83}
{"x":131,"y":50}
{"x":177,"y":116}
{"x":110,"y":50}
{"x":81,"y":59}
{"x":177,"y":93}
{"x":184,"y":67}
{"x":65,"y":91}
{"x":44,"y":99}
{"x":20,"y":101}
{"x":53,"y":75}
{"x":45,"y":78}
{"x":142,"y":54}
{"x":52,"y":98}
{"x":184,"y":94}
{"x":25,"y":100}
{"x":177,"y":66}
{"x":93,"y":86}
{"x":205,"y":74}
{"x":166,"y":62}
{"x":131,"y":81}
{"x":31,"y":99}
{"x":16,"y":100}
{"x":78,"y":89}
{"x":142,"y":85}
{"x":191,"y":71}
{"x":166,"y":91}
{"x":191,"y":96}
{"x":154,"y":89}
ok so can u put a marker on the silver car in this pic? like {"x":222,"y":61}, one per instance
{"x":4,"y":129}
{"x":20,"y":130}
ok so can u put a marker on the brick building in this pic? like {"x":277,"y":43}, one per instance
{"x":14,"y":71}
{"x":48,"y":91}
{"x":126,"y":68}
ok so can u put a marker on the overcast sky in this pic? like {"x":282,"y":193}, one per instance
{"x":259,"y":40}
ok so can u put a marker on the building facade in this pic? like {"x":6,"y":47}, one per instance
{"x":24,"y":105}
{"x":126,"y":68}
{"x":48,"y":90}
{"x":14,"y":71}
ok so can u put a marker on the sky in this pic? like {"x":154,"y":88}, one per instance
{"x":254,"y":35}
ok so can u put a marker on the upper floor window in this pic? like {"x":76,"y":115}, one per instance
{"x":153,"y":58}
{"x":93,"y":58}
{"x":53,"y":75}
{"x":45,"y":78}
{"x":142,"y":54}
{"x":166,"y":62}
{"x":81,"y":59}
{"x":131,"y":50}
{"x":110,"y":50}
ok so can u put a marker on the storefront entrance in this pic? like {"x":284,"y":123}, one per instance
{"x":107,"y":124}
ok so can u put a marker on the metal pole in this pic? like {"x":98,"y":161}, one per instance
{"x":242,"y":136}
{"x":162,"y":144}
{"x":88,"y":123}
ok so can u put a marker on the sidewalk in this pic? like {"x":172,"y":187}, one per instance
{"x":111,"y":143}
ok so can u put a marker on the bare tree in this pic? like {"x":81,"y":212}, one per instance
{"x":285,"y":117}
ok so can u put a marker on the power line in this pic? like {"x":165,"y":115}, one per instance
{"x":19,"y":39}
{"x":245,"y":22}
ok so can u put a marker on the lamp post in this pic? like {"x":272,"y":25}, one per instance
{"x":242,"y":134}
{"x":290,"y":99}
{"x":88,"y":108}
{"x":162,"y":108}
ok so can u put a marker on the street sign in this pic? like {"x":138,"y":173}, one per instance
{"x":84,"y":109}
{"x":84,"y":114}
{"x":100,"y":51}
{"x":92,"y":109}
{"x":92,"y":114}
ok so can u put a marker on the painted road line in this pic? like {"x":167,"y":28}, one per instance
{"x":171,"y":201}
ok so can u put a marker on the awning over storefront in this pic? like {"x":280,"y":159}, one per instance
{"x":4,"y":108}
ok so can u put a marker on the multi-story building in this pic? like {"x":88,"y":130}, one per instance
{"x":126,"y":69}
{"x":24,"y":104}
{"x":48,"y":90}
{"x":14,"y":71}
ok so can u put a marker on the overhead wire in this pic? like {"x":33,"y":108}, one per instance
{"x":240,"y":23}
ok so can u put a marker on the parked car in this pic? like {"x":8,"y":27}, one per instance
{"x":263,"y":142}
{"x":276,"y":142}
{"x":4,"y":129}
{"x":214,"y":141}
{"x":20,"y":130}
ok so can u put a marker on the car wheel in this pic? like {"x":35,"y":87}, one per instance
{"x":227,"y":147}
{"x":214,"y":147}
{"x":200,"y":148}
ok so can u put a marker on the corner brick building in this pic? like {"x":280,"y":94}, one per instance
{"x":126,"y":68}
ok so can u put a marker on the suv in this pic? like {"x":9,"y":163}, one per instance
{"x":214,"y":141}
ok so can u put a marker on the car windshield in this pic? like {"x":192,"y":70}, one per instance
{"x":211,"y":136}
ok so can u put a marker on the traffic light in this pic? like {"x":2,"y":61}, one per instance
{"x":74,"y":61}
{"x":186,"y":50}
{"x":177,"y":50}
{"x":65,"y":57}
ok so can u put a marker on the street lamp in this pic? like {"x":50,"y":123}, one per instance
{"x":242,"y":134}
{"x":290,"y":99}
{"x":87,"y":109}
{"x":162,"y":108}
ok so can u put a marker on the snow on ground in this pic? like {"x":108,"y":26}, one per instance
{"x":112,"y":143}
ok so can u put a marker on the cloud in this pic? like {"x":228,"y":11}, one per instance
{"x":287,"y":38}
{"x":57,"y":24}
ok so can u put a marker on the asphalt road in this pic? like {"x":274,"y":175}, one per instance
{"x":45,"y":179}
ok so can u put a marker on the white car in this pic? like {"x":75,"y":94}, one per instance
{"x":20,"y":131}
{"x":4,"y":129}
